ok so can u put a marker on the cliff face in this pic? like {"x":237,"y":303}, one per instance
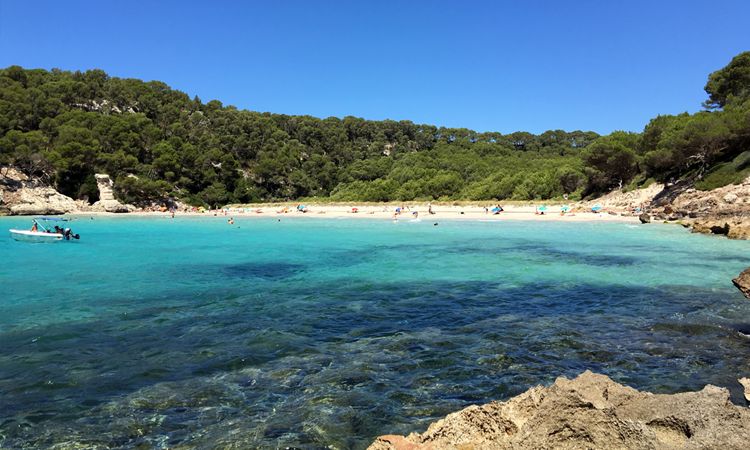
{"x":591,"y":411}
{"x":20,"y":195}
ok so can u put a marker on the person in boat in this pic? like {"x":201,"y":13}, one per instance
{"x":34,"y":227}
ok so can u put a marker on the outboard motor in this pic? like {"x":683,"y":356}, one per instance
{"x":66,"y":234}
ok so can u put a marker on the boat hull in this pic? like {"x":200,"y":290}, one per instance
{"x":35,"y":236}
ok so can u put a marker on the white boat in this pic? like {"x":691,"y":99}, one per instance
{"x":35,"y":236}
{"x":41,"y":233}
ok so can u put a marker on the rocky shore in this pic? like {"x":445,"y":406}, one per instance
{"x":590,"y":411}
{"x":24,"y":196}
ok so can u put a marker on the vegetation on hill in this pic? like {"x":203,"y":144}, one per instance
{"x":157,"y":142}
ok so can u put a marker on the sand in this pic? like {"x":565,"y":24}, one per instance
{"x":387,"y":212}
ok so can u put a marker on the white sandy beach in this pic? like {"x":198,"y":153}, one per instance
{"x":388,"y":212}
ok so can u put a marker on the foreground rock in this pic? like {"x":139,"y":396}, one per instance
{"x":591,"y":411}
{"x":107,"y":201}
{"x":743,"y":282}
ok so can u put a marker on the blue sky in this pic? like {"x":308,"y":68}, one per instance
{"x":490,"y":66}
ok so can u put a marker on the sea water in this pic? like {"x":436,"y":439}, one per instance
{"x":309,"y":332}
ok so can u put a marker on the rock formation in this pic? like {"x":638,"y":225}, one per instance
{"x":743,"y":282}
{"x":107,"y":201}
{"x":733,"y":227}
{"x":644,"y":218}
{"x":591,"y":411}
{"x":745,"y":382}
{"x":20,"y":195}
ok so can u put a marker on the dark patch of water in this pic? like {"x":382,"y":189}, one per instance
{"x":263,"y":269}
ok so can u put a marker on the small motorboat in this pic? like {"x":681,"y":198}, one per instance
{"x":42,"y":231}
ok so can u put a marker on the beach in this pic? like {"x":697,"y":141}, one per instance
{"x":407,"y":211}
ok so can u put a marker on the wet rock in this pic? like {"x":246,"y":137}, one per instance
{"x":732,"y":227}
{"x":739,"y":229}
{"x":709,"y":226}
{"x":742,"y":282}
{"x":644,"y":218}
{"x":591,"y":411}
{"x":745,"y":382}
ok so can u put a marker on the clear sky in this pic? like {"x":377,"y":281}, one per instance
{"x":490,"y":66}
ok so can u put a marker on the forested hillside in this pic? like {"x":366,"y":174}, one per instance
{"x":157,"y":142}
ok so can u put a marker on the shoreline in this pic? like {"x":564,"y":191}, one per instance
{"x":386,"y":212}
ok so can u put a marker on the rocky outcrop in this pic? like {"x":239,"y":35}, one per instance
{"x":107,"y":201}
{"x":644,"y":218}
{"x":591,"y":411}
{"x":733,"y":227}
{"x":20,"y":195}
{"x":731,"y":200}
{"x":743,"y":282}
{"x":39,"y":201}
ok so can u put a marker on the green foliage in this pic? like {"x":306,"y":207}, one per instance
{"x":731,"y":83}
{"x":66,"y":126}
{"x":611,"y":161}
{"x":135,"y":190}
{"x":732,"y":172}
{"x":70,"y":125}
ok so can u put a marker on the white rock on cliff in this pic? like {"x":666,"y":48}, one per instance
{"x":107,"y":201}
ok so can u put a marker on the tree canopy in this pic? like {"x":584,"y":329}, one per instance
{"x":157,"y":142}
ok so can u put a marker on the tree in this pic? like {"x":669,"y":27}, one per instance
{"x":731,"y":83}
{"x":611,"y":161}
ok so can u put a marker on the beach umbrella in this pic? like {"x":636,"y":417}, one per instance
{"x":596,"y":207}
{"x":543,"y":208}
{"x":355,"y":209}
{"x":496,"y":209}
{"x":565,"y":208}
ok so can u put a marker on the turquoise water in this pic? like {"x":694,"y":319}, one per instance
{"x":310,"y":333}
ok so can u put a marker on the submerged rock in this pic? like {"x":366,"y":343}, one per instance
{"x":743,"y":282}
{"x":591,"y":411}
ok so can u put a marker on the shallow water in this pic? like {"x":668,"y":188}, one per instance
{"x":310,"y":333}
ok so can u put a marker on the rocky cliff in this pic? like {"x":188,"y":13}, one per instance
{"x":20,"y":195}
{"x":591,"y":411}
